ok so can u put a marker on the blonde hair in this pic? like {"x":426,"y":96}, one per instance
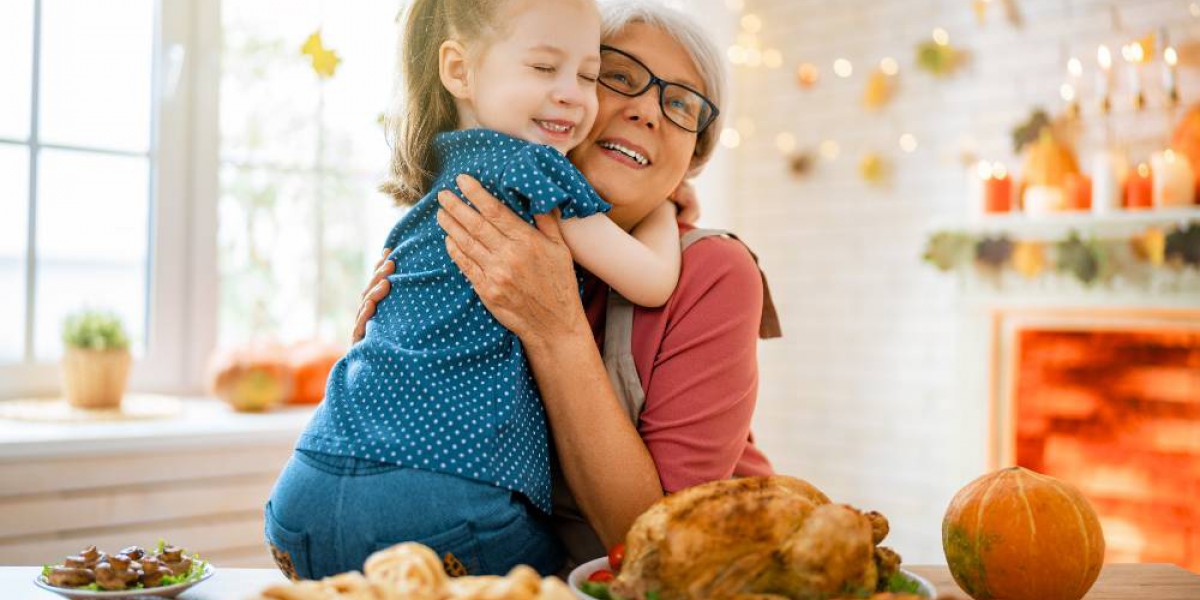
{"x":427,"y":108}
{"x":616,"y":15}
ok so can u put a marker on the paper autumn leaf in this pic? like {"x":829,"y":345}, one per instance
{"x":879,"y":90}
{"x":324,"y":60}
{"x":873,"y":168}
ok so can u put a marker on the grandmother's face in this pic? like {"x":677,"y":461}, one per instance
{"x":637,"y":123}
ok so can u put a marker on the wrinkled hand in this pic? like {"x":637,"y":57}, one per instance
{"x":376,"y":290}
{"x":524,"y":275}
{"x":687,"y":202}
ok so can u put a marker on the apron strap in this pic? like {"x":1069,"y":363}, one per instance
{"x":618,"y":355}
{"x":768,"y":324}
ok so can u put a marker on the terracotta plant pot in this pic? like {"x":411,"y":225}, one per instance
{"x":95,"y":379}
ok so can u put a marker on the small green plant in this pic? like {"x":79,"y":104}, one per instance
{"x":91,"y":329}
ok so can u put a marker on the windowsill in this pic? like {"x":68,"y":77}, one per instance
{"x":202,"y":423}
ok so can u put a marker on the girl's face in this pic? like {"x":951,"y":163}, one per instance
{"x":635,"y":188}
{"x":538,"y":82}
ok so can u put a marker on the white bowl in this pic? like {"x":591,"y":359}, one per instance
{"x":166,"y":591}
{"x":581,"y":573}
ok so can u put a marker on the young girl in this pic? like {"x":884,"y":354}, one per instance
{"x":432,"y":427}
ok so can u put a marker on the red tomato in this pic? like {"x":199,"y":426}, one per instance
{"x":616,"y":556}
{"x":601,"y":576}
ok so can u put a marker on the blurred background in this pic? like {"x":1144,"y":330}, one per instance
{"x":978,"y":218}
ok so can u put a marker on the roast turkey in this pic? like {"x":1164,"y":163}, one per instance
{"x":756,"y":537}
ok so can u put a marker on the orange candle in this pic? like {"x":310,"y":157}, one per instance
{"x":997,"y":191}
{"x":1139,"y":191}
{"x":1077,"y":188}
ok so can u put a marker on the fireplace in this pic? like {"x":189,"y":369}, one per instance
{"x":1108,"y":400}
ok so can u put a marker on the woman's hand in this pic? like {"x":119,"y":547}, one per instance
{"x":525,"y":276}
{"x":376,"y":290}
{"x":687,"y":202}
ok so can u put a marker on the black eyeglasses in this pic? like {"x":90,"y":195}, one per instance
{"x":680,"y":104}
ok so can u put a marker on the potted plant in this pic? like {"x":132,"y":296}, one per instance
{"x":97,"y":359}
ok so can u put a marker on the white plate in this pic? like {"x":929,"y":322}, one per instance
{"x":581,"y":573}
{"x":166,"y":591}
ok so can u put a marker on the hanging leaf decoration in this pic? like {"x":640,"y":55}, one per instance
{"x":879,"y":90}
{"x":873,"y":168}
{"x":324,"y":60}
{"x":800,"y":164}
{"x":939,"y":59}
{"x":807,"y":75}
{"x":1088,"y":260}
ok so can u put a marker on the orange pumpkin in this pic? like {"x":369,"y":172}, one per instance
{"x":1186,"y":141}
{"x":1015,"y":534}
{"x":311,"y":363}
{"x":250,"y":378}
{"x":1047,"y":162}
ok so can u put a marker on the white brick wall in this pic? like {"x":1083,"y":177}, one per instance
{"x":877,"y":394}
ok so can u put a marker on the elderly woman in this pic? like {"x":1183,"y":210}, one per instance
{"x":641,"y":401}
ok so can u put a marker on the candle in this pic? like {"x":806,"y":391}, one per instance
{"x":1134,"y":56}
{"x":997,"y":190}
{"x":976,"y":176}
{"x":1170,"y":83}
{"x":1139,"y":190}
{"x":1174,"y":182}
{"x":1104,"y":58}
{"x":1077,"y":191}
{"x":1043,"y":200}
{"x":1109,"y":170}
{"x":1070,"y":89}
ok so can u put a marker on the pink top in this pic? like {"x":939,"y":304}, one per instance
{"x":698,"y":364}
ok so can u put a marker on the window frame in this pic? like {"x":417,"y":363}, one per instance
{"x":182,"y":271}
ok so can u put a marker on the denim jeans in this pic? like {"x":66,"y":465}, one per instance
{"x":327,"y":514}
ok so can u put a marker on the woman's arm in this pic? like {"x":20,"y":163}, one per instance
{"x":643,"y":267}
{"x":525,"y":277}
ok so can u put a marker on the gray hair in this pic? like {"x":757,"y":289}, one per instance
{"x":615,"y":15}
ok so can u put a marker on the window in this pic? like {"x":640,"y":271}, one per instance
{"x":76,"y":168}
{"x":105,"y":200}
{"x":299,"y":221}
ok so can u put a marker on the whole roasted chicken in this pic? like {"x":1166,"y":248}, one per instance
{"x":757,"y":537}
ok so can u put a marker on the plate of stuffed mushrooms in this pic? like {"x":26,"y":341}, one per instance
{"x":164,"y":572}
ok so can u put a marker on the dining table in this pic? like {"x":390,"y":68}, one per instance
{"x":1120,"y":581}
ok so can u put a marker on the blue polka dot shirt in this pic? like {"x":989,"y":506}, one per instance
{"x":437,"y":383}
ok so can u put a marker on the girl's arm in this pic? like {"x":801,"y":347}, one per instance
{"x":526,"y":279}
{"x":642,"y":266}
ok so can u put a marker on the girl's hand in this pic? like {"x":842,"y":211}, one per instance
{"x":687,"y":202}
{"x":525,"y":276}
{"x":376,"y":290}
